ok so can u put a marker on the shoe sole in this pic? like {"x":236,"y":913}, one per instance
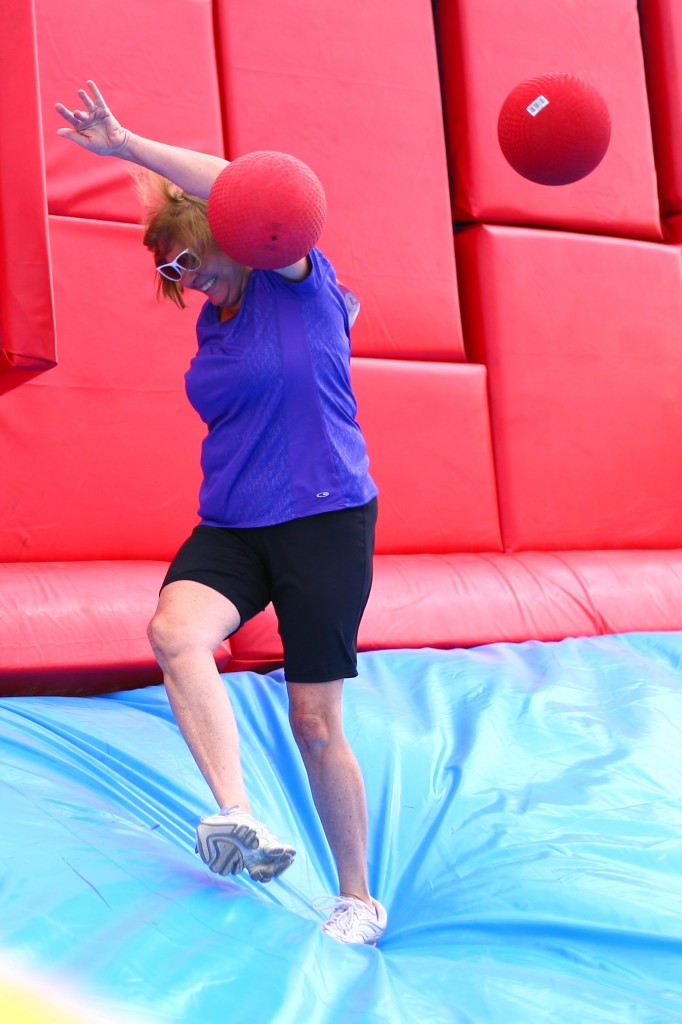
{"x":230,"y":849}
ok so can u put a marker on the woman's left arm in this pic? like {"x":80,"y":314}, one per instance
{"x":96,"y":129}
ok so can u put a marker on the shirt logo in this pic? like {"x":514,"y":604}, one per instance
{"x":322,"y":494}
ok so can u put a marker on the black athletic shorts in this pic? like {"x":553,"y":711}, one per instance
{"x":317,"y":571}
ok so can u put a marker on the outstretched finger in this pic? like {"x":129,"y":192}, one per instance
{"x":67,"y":114}
{"x":99,"y":99}
{"x":89,"y":103}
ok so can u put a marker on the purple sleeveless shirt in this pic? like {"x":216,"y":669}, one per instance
{"x":273,"y":387}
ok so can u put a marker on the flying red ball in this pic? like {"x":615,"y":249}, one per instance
{"x":554,"y":129}
{"x":267,"y":209}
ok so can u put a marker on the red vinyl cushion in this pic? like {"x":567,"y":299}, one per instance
{"x":100,"y":456}
{"x":661,"y":24}
{"x":582,"y":338}
{"x":428,"y":434}
{"x":673,"y":229}
{"x":155,"y":64}
{"x":580,"y":335}
{"x":27,"y":330}
{"x":355,"y":94}
{"x":488,"y":47}
{"x":463,"y":600}
{"x":79,"y":627}
{"x":467,"y":599}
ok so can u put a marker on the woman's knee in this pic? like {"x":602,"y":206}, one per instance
{"x":167,"y":636}
{"x":315,"y":728}
{"x":172,"y":636}
{"x":312,"y":732}
{"x":315,"y":715}
{"x":190,"y":617}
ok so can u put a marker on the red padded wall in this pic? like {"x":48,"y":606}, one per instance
{"x":465,"y":599}
{"x":673,"y":229}
{"x":155,"y":64}
{"x":582,"y":338}
{"x":576,"y":337}
{"x":27,"y":331}
{"x":462,"y":600}
{"x":100,"y":456}
{"x":661,"y":22}
{"x":428,"y":433}
{"x":490,"y":46}
{"x":79,"y":627}
{"x":353,"y":91}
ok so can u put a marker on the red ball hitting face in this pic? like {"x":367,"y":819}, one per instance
{"x":554,"y":129}
{"x":267,"y":210}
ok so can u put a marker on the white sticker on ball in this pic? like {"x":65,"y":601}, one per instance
{"x":537,"y":105}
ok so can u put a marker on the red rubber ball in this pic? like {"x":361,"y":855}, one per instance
{"x":267,"y":210}
{"x":554,"y":129}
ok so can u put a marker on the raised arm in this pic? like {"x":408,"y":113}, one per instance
{"x":96,"y":129}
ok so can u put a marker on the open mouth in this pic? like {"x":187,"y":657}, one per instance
{"x":208,"y":284}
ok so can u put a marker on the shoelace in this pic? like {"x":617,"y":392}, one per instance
{"x":346,"y":911}
{"x":247,"y":819}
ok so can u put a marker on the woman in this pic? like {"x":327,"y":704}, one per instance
{"x":287,"y":511}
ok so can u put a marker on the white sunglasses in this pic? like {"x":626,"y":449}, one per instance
{"x":173,"y":271}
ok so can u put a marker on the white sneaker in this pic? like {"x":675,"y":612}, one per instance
{"x":231,"y":841}
{"x":353,"y":921}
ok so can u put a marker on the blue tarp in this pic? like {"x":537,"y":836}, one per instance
{"x":526,"y":837}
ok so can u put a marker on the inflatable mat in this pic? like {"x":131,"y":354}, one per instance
{"x":526,"y":827}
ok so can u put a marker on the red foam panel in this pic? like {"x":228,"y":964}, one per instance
{"x":463,"y":600}
{"x":661,"y":26}
{"x":428,"y":434}
{"x":155,"y":64}
{"x":489,"y":47}
{"x":673,"y":229}
{"x":355,"y":95}
{"x":79,"y":628}
{"x":582,"y":338}
{"x":27,"y":329}
{"x":100,"y":456}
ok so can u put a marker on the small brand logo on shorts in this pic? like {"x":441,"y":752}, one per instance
{"x":322,"y":494}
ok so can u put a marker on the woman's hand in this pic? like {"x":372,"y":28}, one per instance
{"x":95,"y":128}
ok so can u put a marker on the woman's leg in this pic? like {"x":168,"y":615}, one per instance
{"x":190,"y":623}
{"x":335,"y":780}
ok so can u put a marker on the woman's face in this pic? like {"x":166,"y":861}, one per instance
{"x":219,"y":278}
